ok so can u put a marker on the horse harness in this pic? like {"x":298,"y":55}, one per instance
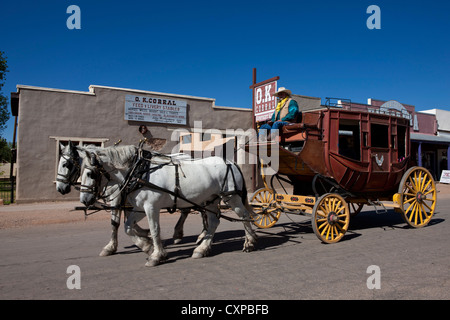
{"x":73,"y":165}
{"x":139,"y":176}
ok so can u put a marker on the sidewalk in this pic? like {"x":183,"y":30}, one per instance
{"x":21,"y":215}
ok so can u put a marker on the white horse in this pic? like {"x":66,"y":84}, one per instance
{"x":69,"y":167}
{"x":204,"y":182}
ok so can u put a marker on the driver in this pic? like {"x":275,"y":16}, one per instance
{"x":285,"y":112}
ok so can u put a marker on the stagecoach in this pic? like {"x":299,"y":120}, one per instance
{"x":337,"y":159}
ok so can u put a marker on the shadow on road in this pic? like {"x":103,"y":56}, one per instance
{"x":280,"y":234}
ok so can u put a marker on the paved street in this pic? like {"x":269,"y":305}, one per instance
{"x":291,"y":262}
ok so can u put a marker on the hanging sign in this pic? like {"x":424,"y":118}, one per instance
{"x":264,"y":101}
{"x":155,"y":109}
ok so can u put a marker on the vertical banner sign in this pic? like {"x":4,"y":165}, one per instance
{"x":265,"y":102}
{"x":155,"y":109}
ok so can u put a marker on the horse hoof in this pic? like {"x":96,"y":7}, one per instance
{"x":197,"y":255}
{"x":106,"y":253}
{"x":176,"y":241}
{"x":249,"y":247}
{"x":152,"y":263}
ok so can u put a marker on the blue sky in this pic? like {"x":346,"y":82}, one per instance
{"x":319,"y":48}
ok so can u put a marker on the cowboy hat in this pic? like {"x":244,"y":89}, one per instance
{"x":280,"y":90}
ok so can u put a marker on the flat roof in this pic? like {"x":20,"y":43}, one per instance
{"x":93,"y":87}
{"x":92,"y":91}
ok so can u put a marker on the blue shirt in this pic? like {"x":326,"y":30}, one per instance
{"x":292,"y":112}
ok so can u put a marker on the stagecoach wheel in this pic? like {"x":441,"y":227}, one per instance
{"x":265,"y":212}
{"x":417,"y":197}
{"x":330,"y":218}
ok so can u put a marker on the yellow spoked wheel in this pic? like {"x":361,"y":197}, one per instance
{"x":330,"y":218}
{"x":417,"y":197}
{"x":265,"y":211}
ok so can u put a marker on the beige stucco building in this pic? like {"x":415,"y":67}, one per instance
{"x":105,"y":115}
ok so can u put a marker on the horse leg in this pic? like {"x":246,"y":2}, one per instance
{"x":139,"y":236}
{"x":142,"y":239}
{"x":242,"y":210}
{"x":213,"y":221}
{"x":159,"y":254}
{"x":205,"y":228}
{"x":111,"y":247}
{"x":178,"y":231}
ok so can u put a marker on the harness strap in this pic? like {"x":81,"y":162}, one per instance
{"x":141,"y":168}
{"x":74,"y":172}
{"x":235,"y":191}
{"x":176,"y":191}
{"x":173,"y":193}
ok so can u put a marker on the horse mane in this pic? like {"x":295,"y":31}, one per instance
{"x":121,"y":157}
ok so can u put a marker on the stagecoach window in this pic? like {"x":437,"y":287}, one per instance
{"x":401,"y":141}
{"x":349,"y":139}
{"x":379,"y":136}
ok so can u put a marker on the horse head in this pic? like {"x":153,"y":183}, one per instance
{"x":68,"y":168}
{"x":91,"y":176}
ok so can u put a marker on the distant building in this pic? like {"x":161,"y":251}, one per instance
{"x":441,"y":140}
{"x":102,"y":116}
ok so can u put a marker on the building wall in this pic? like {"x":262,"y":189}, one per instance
{"x":47,"y":115}
{"x":443,"y":120}
{"x":426,"y":123}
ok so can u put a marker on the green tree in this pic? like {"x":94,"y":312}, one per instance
{"x":5,"y":147}
{"x":4,"y":113}
{"x":5,"y":150}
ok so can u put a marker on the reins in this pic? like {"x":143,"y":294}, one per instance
{"x":134,"y":180}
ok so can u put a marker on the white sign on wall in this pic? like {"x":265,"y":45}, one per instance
{"x":445,"y":176}
{"x":155,"y":109}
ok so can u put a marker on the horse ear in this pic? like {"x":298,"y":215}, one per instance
{"x":81,"y":152}
{"x":93,"y":159}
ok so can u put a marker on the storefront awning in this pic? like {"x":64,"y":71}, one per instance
{"x":420,"y":137}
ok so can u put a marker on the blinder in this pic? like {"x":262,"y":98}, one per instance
{"x":74,"y":168}
{"x":96,"y":173}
